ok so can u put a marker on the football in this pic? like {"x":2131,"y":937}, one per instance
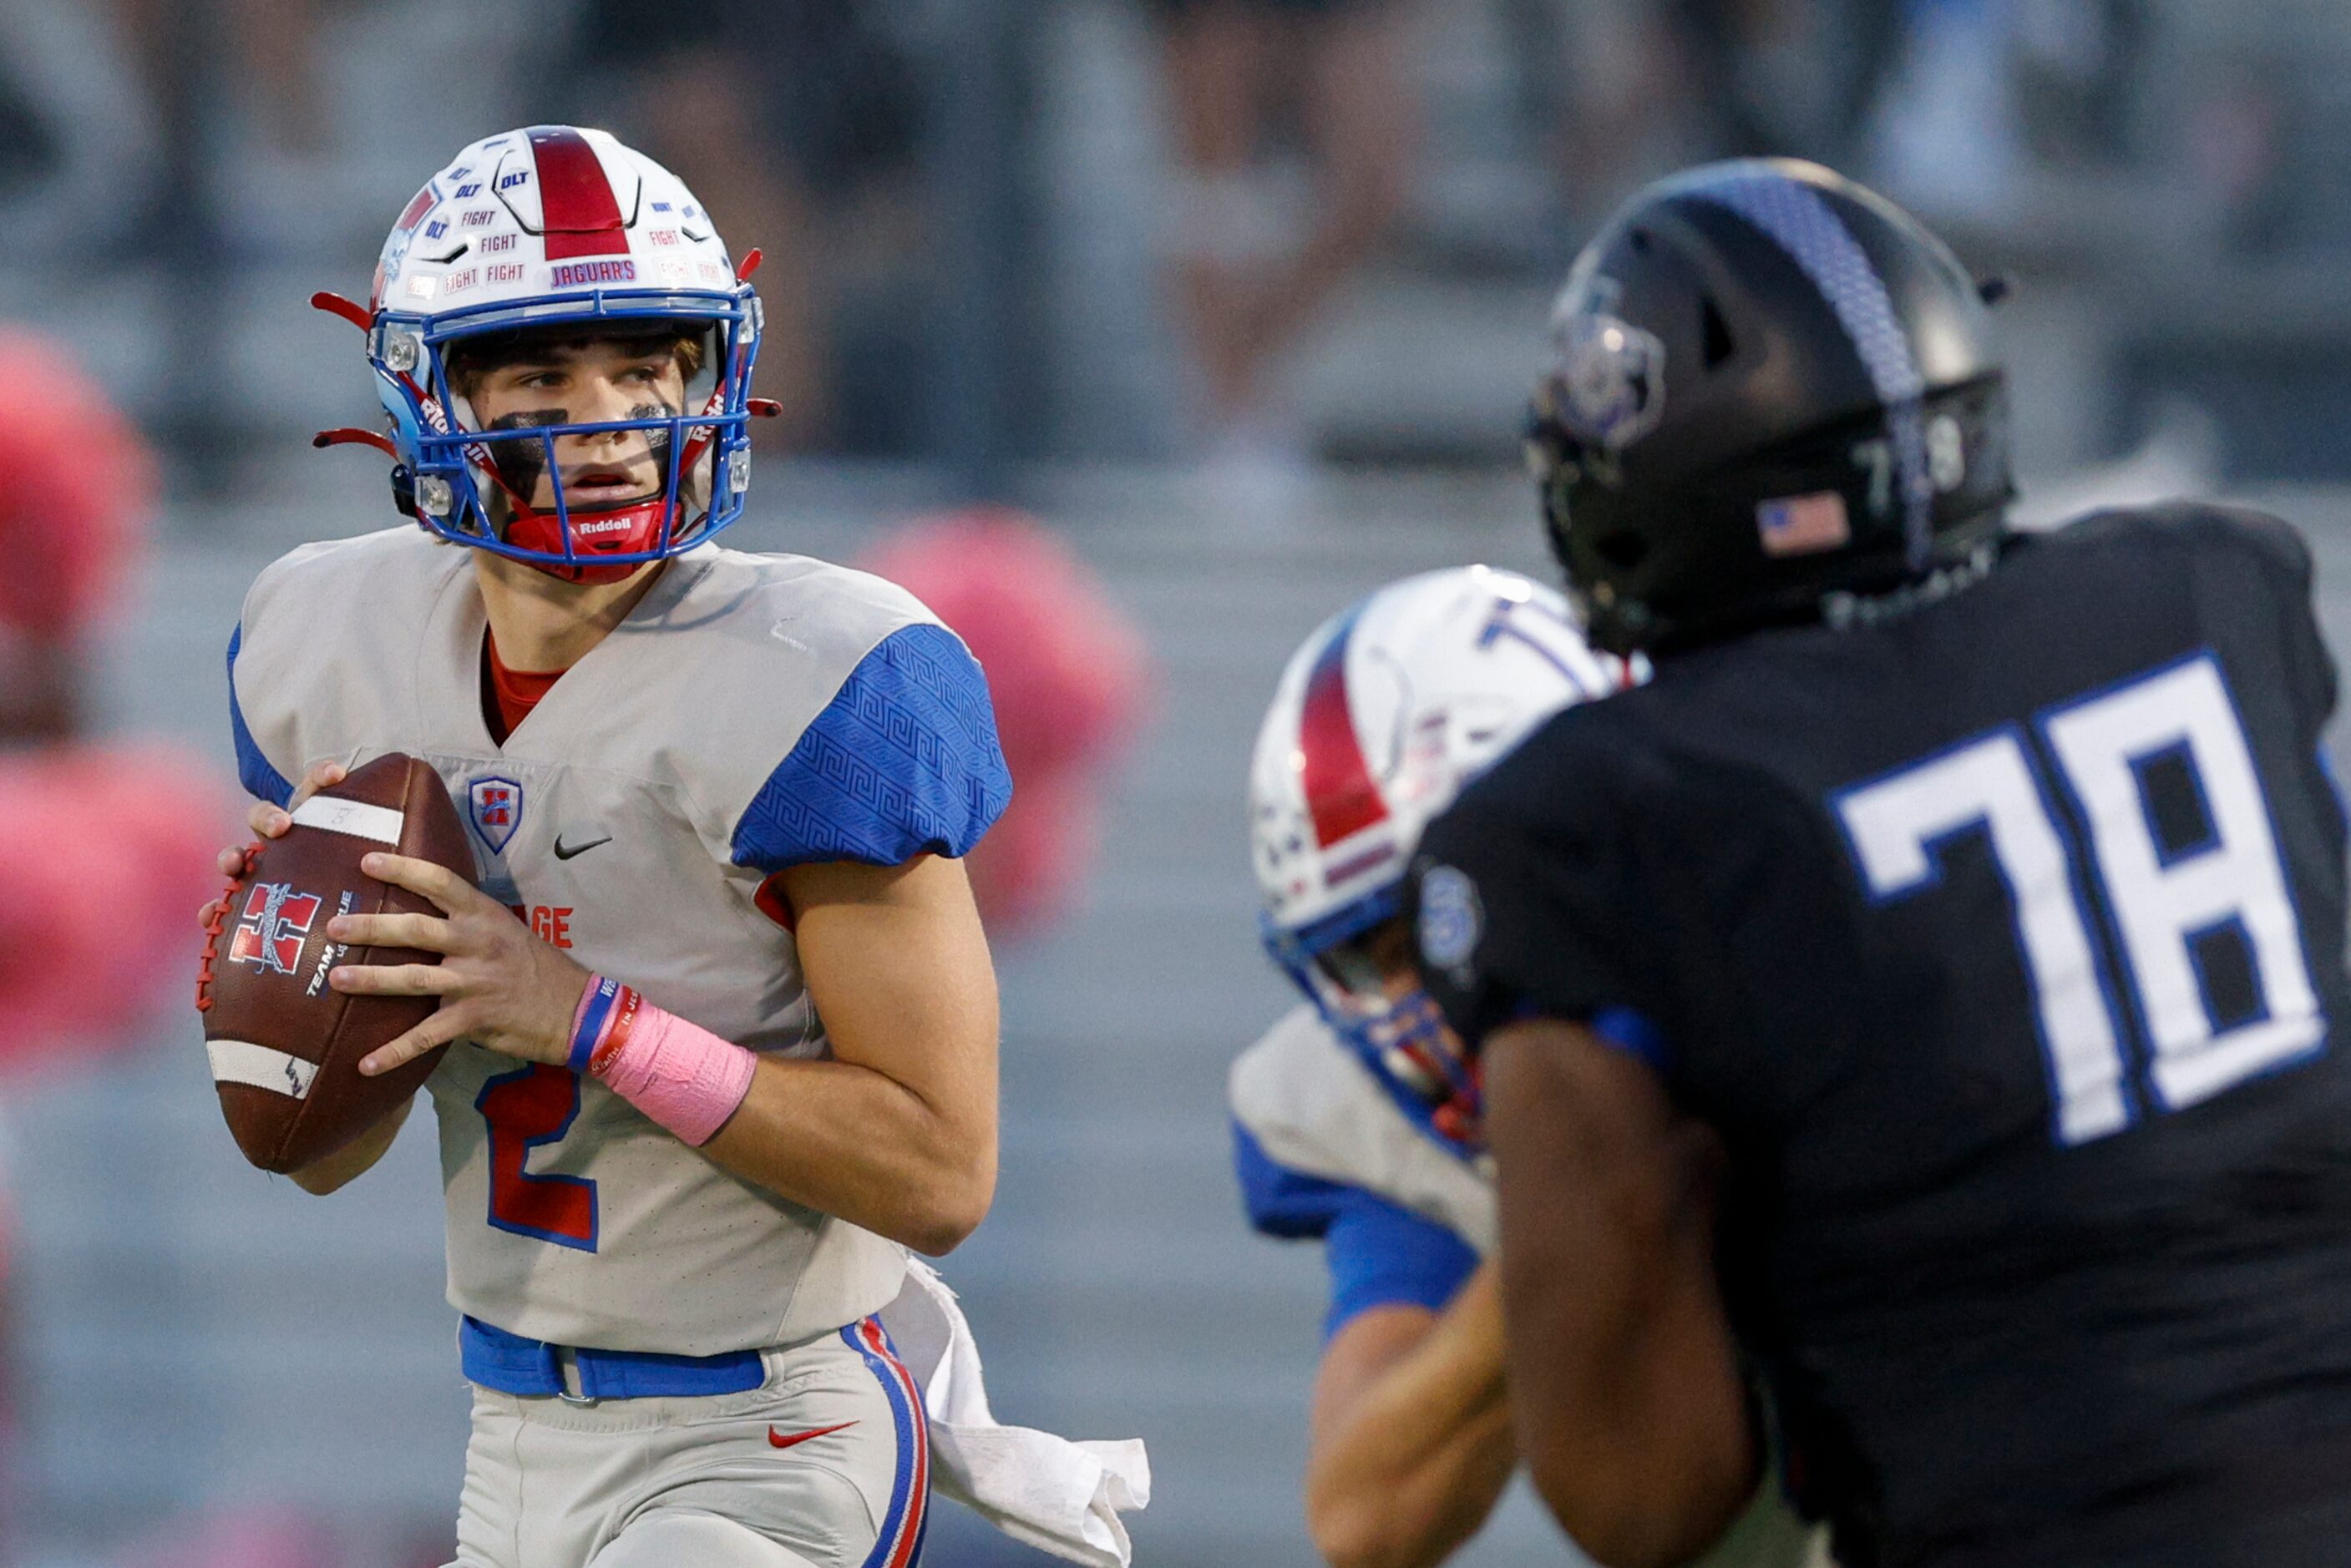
{"x":285,"y":1045}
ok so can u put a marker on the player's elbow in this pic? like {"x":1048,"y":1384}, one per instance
{"x":1650,"y":1515}
{"x":951,"y":1209}
{"x":936,"y":1235}
{"x":1356,"y":1526}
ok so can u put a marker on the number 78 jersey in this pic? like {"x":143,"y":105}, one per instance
{"x":2004,"y":940}
{"x":752,"y":713}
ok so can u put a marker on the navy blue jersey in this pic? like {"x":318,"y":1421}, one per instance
{"x":2002,"y":939}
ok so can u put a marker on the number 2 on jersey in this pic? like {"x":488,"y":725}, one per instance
{"x":2169,"y":904}
{"x":526,"y":1110}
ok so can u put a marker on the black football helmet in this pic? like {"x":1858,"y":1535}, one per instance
{"x":1771,"y":388}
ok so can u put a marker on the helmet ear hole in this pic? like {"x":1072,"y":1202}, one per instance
{"x":1714,"y":333}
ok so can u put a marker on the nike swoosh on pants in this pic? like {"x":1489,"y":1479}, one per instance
{"x":785,"y":1440}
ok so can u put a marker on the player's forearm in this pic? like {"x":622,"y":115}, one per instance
{"x":1632,"y":1413}
{"x":1411,"y":1465}
{"x":1368,"y":1506}
{"x":1417,"y":1515}
{"x":852,"y":1142}
{"x":1650,"y":1462}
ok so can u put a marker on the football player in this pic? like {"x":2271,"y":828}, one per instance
{"x":1926,"y":987}
{"x":1347,"y":1127}
{"x":721,"y":1022}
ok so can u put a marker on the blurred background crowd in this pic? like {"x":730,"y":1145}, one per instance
{"x":1139,"y":336}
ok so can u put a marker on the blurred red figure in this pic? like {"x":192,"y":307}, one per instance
{"x":99,"y":923}
{"x":261,"y":1536}
{"x":77,"y":484}
{"x":107,"y":846}
{"x":1068,"y":675}
{"x":110,"y":844}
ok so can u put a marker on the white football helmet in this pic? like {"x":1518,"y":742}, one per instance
{"x":555,"y":227}
{"x":1381,"y":718}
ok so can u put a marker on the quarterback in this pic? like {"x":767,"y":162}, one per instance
{"x":721,"y":1019}
{"x":1352,"y":1125}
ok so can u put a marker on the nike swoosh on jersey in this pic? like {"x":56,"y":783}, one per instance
{"x":785,"y":1440}
{"x":565,"y":851}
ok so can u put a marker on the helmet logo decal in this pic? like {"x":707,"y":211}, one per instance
{"x":1341,"y":796}
{"x":578,"y":212}
{"x":1612,"y":380}
{"x":1802,"y":223}
{"x":1451,"y":918}
{"x":1800,"y":525}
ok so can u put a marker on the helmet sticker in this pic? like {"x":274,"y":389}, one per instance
{"x":1800,"y":525}
{"x":1610,"y":379}
{"x":1451,"y":918}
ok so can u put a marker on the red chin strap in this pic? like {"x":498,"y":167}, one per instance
{"x":623,"y":531}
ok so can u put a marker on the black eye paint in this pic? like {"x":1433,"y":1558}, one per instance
{"x":520,"y":463}
{"x":657,"y":438}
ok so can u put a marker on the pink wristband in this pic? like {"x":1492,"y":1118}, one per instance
{"x":679,"y":1074}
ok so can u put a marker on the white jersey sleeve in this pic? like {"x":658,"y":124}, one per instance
{"x":1310,"y":1124}
{"x":752,"y":713}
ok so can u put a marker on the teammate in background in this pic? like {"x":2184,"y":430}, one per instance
{"x":724,"y":1019}
{"x":1931,"y":977}
{"x":1347,"y":1129}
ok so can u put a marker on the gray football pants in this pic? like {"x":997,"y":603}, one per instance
{"x":825,"y":1465}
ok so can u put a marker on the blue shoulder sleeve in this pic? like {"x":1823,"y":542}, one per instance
{"x":1378,"y":1255}
{"x":253,"y":769}
{"x":1281,"y":1203}
{"x":1381,"y":1255}
{"x":902,"y":762}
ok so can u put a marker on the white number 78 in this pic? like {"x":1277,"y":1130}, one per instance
{"x":2161,"y":903}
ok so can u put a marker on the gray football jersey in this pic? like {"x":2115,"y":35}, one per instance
{"x":752,"y":713}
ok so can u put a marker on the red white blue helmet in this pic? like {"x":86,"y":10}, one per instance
{"x":1382,"y":716}
{"x":550,"y":227}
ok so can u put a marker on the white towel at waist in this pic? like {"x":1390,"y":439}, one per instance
{"x":1048,"y":1493}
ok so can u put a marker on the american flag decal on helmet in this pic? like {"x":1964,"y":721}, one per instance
{"x":1799,"y":524}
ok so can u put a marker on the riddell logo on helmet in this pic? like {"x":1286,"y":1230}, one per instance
{"x":572,"y":274}
{"x":610,"y":525}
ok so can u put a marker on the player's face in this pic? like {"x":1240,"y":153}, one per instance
{"x":1376,"y":968}
{"x":1370,"y":989}
{"x":587,"y":383}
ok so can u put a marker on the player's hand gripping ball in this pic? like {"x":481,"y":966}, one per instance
{"x":286,"y":1043}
